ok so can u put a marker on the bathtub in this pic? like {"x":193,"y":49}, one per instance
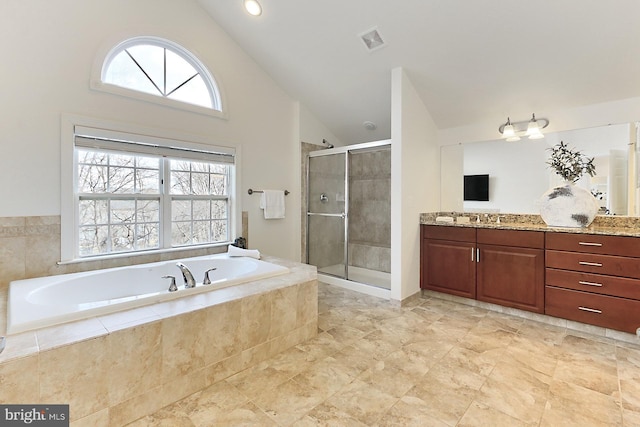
{"x":47,"y":301}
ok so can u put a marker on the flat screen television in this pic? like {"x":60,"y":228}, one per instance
{"x":476,"y":187}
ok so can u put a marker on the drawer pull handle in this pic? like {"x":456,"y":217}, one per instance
{"x":590,"y":310}
{"x":590,"y":264}
{"x":590,"y":283}
{"x":472,"y":251}
{"x":589,"y":244}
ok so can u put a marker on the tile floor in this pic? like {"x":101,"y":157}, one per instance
{"x":432,"y":363}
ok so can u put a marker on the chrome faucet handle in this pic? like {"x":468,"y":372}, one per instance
{"x":206,"y":280}
{"x":172,"y":287}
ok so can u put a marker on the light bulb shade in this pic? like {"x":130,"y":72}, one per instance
{"x":508,"y":131}
{"x":513,"y":138}
{"x":532,"y":128}
{"x":534,"y":133}
{"x":253,"y":7}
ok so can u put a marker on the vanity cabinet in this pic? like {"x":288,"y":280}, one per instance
{"x":510,"y":268}
{"x":503,"y":267}
{"x":594,"y":279}
{"x":448,"y":260}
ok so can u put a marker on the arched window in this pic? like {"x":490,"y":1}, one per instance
{"x":162,"y":68}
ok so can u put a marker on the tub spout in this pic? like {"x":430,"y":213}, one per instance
{"x":189,"y":281}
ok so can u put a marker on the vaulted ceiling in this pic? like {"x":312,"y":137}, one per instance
{"x":469,"y":60}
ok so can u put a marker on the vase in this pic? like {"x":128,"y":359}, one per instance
{"x":568,"y":205}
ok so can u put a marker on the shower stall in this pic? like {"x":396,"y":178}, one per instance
{"x":349,"y":214}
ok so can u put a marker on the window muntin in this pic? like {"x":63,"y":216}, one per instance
{"x":121,"y":201}
{"x":118,"y":202}
{"x":161,"y":68}
{"x":199,"y":208}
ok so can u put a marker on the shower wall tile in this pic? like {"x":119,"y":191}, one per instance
{"x":136,"y":407}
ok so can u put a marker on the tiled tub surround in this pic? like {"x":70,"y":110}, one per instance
{"x":116,"y":368}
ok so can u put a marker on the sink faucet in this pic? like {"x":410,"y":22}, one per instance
{"x":189,"y":281}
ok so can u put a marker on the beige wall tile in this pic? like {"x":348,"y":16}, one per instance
{"x":19,"y":380}
{"x":183,"y":386}
{"x":283,"y":311}
{"x":183,"y":345}
{"x":135,"y":361}
{"x":43,"y":254}
{"x":307,"y":303}
{"x":222,"y":332}
{"x":255,"y":320}
{"x":136,"y":407}
{"x":12,"y":259}
{"x":76,"y":375}
{"x":224,"y":369}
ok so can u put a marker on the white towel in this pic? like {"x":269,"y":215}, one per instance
{"x":236,"y":251}
{"x":272,"y":201}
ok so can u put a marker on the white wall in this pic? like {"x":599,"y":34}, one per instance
{"x":313,"y":131}
{"x":49,"y":48}
{"x":415,"y":181}
{"x":619,"y":111}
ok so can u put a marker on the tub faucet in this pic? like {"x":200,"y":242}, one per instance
{"x":189,"y":281}
{"x":206,"y":280}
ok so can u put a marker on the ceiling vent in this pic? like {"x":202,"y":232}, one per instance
{"x":372,"y":39}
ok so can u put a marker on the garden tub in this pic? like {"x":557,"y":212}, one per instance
{"x":47,"y":301}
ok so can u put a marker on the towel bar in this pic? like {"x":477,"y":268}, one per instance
{"x":250,"y":191}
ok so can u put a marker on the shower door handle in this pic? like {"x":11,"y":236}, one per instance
{"x":341,"y":215}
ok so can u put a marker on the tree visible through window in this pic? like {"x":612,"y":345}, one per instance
{"x":161,"y":68}
{"x":121,"y":205}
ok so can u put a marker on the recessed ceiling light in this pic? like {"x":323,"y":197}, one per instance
{"x":253,"y":7}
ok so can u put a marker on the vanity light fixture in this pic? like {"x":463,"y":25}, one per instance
{"x":509,"y":132}
{"x":253,"y":7}
{"x":531,"y":129}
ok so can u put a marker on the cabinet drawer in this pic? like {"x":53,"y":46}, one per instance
{"x":444,"y":232}
{"x":594,"y":243}
{"x":597,"y":283}
{"x":523,"y":239}
{"x":590,"y":263}
{"x":600,"y":310}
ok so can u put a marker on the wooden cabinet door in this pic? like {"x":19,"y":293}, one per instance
{"x":449,"y":267}
{"x":511,"y":276}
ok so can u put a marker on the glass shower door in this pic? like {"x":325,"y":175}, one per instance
{"x":327,"y":214}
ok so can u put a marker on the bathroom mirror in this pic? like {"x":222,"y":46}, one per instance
{"x":519,"y":175}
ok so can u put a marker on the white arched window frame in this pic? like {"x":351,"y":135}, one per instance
{"x":101,"y":68}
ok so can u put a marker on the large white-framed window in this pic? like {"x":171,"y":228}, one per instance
{"x":136,"y":193}
{"x":160,"y":71}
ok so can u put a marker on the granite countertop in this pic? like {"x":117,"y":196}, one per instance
{"x":612,"y":226}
